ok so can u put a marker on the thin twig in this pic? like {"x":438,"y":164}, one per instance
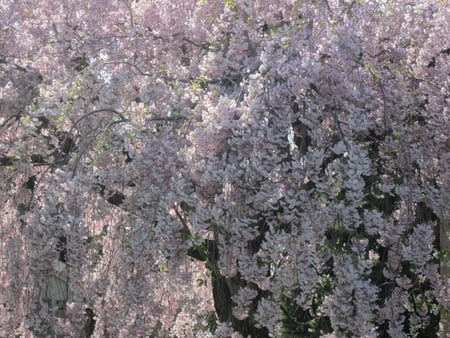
{"x":172,"y":118}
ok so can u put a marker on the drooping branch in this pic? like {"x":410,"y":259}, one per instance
{"x":101,"y":110}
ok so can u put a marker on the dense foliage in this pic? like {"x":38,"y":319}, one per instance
{"x":223,"y":168}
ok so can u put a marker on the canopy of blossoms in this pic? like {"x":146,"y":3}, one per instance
{"x":224,"y":168}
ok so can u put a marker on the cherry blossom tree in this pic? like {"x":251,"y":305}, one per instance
{"x":224,"y":168}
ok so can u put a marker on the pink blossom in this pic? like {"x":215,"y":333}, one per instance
{"x":223,"y":168}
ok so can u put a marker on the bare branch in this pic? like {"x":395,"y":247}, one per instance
{"x":101,"y":110}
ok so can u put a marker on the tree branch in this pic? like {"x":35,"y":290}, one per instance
{"x":114,"y":197}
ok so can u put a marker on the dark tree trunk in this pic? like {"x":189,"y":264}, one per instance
{"x":224,"y":306}
{"x":223,"y":290}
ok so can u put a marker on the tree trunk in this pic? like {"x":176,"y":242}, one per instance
{"x":224,"y":288}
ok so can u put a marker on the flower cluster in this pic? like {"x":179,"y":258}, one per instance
{"x":224,"y":168}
